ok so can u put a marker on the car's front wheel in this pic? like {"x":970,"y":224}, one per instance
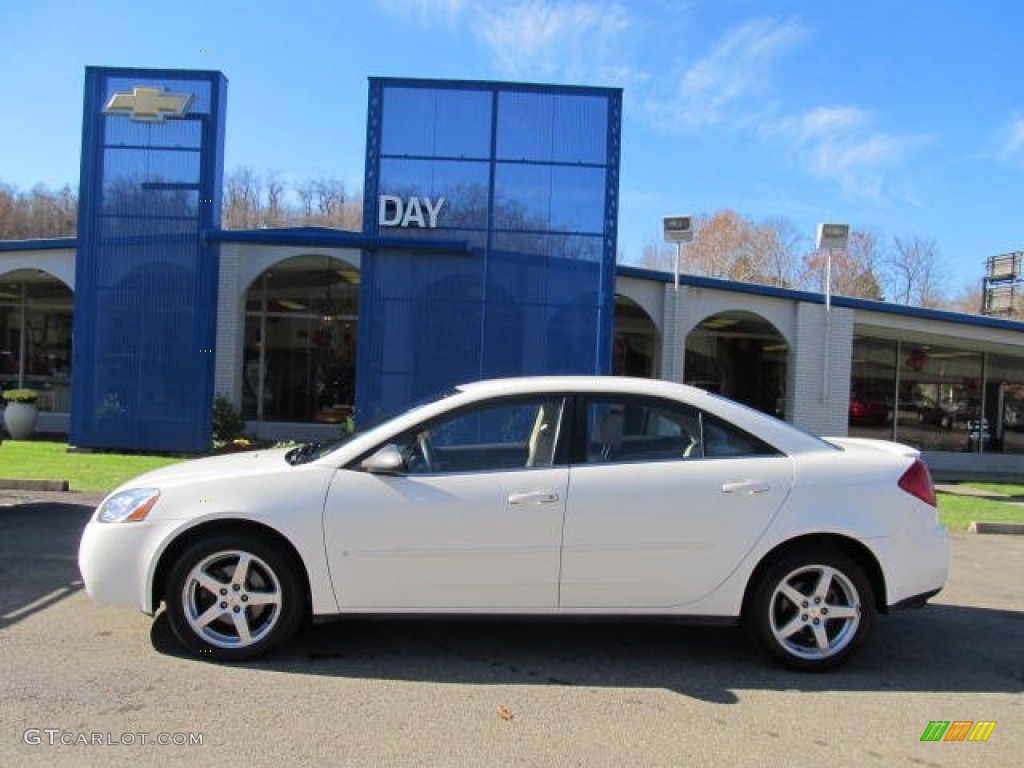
{"x":812,"y":610}
{"x":233,"y":597}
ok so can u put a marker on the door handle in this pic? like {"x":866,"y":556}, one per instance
{"x":749,"y":487}
{"x":533,"y":497}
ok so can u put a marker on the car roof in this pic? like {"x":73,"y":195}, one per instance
{"x":576,"y":383}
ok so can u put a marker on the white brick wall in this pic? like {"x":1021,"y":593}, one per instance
{"x":819,"y":381}
{"x":673,"y":340}
{"x":227,"y":375}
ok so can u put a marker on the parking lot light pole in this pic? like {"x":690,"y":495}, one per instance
{"x":678,"y":230}
{"x":829,"y":236}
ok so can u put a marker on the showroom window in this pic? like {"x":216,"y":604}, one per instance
{"x":300,"y":342}
{"x":35,"y":337}
{"x":936,"y":397}
{"x":1004,"y":404}
{"x":872,"y":385}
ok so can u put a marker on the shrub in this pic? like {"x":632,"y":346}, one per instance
{"x":20,"y":395}
{"x":228,"y":423}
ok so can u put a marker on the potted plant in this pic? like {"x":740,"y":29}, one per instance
{"x":20,"y":412}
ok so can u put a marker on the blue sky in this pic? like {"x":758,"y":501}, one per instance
{"x":905,"y":118}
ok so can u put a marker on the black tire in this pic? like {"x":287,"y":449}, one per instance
{"x":808,"y":622}
{"x":216,"y":617}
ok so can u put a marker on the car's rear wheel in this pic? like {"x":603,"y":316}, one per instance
{"x":812,"y":610}
{"x":233,"y":597}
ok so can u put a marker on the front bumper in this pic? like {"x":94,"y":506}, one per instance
{"x":115,"y":560}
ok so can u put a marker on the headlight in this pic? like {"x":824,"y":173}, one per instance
{"x":128,"y":506}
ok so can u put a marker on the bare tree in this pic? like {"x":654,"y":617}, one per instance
{"x":306,"y":192}
{"x":275,"y":212}
{"x":970,"y":299}
{"x":38,"y":213}
{"x":242,"y":208}
{"x":854,"y":270}
{"x":252,"y":203}
{"x":915,"y":273}
{"x":330,"y":195}
{"x":783,"y":245}
{"x":658,"y":254}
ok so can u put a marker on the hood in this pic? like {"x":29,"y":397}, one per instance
{"x":231,"y":466}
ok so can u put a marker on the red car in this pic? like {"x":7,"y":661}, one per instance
{"x":868,"y":413}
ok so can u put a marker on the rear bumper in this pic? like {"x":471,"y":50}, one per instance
{"x":915,"y":561}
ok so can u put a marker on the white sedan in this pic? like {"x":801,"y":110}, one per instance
{"x":554,"y":496}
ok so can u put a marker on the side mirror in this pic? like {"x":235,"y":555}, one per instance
{"x":386,"y":461}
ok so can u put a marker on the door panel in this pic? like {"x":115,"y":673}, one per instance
{"x":665,"y":501}
{"x":484,"y":541}
{"x":663,"y":534}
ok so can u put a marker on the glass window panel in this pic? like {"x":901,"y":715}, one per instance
{"x":493,"y":437}
{"x":572,"y":247}
{"x":549,"y":198}
{"x":308,"y":353}
{"x":641,"y":429}
{"x":308,"y":370}
{"x":1004,"y":404}
{"x":546,"y":127}
{"x":463,"y":185}
{"x":438,"y":123}
{"x":170,"y":133}
{"x":940,"y":397}
{"x":36,"y":330}
{"x":938,"y":407}
{"x":872,"y":385}
{"x":150,"y":167}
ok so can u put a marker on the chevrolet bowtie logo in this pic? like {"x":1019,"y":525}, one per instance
{"x":148,"y":105}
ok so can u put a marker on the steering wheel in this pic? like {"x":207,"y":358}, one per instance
{"x":426,"y":450}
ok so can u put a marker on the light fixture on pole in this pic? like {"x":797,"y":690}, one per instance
{"x":831,"y":236}
{"x":678,"y":230}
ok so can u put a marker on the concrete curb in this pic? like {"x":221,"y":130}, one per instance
{"x":7,"y":484}
{"x":1013,"y":529}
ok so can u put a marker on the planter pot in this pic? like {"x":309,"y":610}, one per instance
{"x":20,"y":419}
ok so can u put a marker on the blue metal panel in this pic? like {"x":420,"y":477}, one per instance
{"x":529,"y":174}
{"x":146,"y":293}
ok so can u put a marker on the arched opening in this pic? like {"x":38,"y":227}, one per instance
{"x":635,"y":340}
{"x":301,"y":327}
{"x":35,"y":336}
{"x":742,"y":356}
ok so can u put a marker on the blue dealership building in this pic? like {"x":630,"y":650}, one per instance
{"x":487,"y":249}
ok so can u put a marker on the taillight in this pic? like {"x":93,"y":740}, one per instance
{"x":917,"y":481}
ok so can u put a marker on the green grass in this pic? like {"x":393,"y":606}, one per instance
{"x":95,"y":472}
{"x":957,"y":512}
{"x":1003,"y":488}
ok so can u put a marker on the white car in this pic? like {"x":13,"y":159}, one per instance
{"x":553,"y":496}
